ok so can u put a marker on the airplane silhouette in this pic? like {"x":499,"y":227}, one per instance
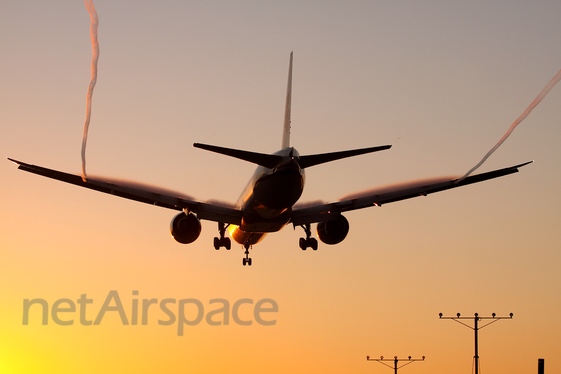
{"x":267,"y":204}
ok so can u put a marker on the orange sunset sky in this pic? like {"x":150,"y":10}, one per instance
{"x":439,"y":80}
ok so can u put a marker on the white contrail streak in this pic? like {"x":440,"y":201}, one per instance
{"x":536,"y":101}
{"x":95,"y":57}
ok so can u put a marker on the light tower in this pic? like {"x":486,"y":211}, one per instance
{"x":476,"y":318}
{"x":395,"y":361}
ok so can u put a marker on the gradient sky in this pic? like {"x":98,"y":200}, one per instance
{"x":440,"y":80}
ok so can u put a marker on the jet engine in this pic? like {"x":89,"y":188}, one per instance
{"x":185,"y":228}
{"x":333,"y":231}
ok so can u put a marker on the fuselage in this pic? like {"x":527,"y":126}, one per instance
{"x":267,"y":200}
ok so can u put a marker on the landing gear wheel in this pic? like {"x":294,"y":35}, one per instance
{"x":222,"y":241}
{"x":308,"y":241}
{"x":246,"y":260}
{"x":313,"y":243}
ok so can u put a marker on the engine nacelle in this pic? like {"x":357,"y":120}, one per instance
{"x":185,"y":228}
{"x":333,"y":231}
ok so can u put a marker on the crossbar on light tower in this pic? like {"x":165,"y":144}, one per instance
{"x":476,"y":328}
{"x":395,"y":360}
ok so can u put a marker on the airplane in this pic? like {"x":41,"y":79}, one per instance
{"x":268,"y":203}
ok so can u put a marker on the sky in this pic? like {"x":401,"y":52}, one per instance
{"x":441,"y":81}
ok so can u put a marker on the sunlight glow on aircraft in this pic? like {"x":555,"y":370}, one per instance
{"x":268,"y":202}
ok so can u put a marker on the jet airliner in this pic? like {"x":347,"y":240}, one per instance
{"x":267,"y":204}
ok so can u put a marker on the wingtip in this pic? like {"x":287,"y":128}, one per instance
{"x":524,"y":164}
{"x":14,"y":161}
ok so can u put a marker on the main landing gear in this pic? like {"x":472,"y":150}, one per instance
{"x":308,"y":242}
{"x":222,"y":241}
{"x":246,"y":260}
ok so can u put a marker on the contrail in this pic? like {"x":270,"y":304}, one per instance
{"x":95,"y":57}
{"x":536,"y":101}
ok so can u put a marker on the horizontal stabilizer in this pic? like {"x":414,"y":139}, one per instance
{"x":312,"y":160}
{"x":266,"y":160}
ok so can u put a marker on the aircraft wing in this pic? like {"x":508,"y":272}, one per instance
{"x":207,"y":211}
{"x":323,"y":212}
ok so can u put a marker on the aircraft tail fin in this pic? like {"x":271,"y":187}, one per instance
{"x":286,"y":127}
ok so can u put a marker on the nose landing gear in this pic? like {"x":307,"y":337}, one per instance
{"x":247,"y":259}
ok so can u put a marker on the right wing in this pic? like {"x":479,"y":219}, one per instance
{"x":324,"y":212}
{"x":154,"y":196}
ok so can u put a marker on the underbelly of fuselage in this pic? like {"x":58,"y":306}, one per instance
{"x":245,"y":237}
{"x":269,"y":207}
{"x":278,"y":191}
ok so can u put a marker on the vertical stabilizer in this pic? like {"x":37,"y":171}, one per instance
{"x":286,"y":127}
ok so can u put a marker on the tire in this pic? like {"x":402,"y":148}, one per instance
{"x":314,"y":244}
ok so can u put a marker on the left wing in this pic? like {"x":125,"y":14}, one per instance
{"x":154,"y":196}
{"x":324,"y":212}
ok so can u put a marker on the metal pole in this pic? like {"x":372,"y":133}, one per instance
{"x":541,"y":365}
{"x":476,"y":357}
